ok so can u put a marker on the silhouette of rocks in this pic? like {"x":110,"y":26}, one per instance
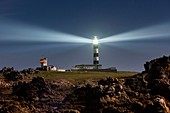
{"x":35,"y":89}
{"x":17,"y":107}
{"x":146,"y":92}
{"x":46,"y":96}
{"x":30,"y":71}
{"x":9,"y":73}
{"x":70,"y":111}
{"x":7,"y":69}
{"x":12,"y":75}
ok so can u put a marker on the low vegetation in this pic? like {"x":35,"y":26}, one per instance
{"x":87,"y":92}
{"x":81,"y":76}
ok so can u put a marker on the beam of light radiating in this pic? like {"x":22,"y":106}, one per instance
{"x":154,"y":32}
{"x":15,"y":31}
{"x":41,"y":47}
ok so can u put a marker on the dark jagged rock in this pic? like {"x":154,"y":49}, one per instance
{"x":157,"y":105}
{"x":163,"y":63}
{"x":30,"y":71}
{"x":70,"y":111}
{"x":7,"y":69}
{"x":37,"y":88}
{"x":17,"y":107}
{"x":146,"y":92}
{"x":13,"y":75}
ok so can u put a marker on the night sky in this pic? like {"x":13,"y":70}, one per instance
{"x":131,"y":32}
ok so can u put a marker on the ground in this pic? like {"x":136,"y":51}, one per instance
{"x":75,"y":77}
{"x":87,"y":92}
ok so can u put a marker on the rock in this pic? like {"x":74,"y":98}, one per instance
{"x":7,"y":69}
{"x":13,"y":75}
{"x":118,"y":88}
{"x":30,"y":71}
{"x":17,"y":107}
{"x":158,"y":105}
{"x":71,"y":111}
{"x":146,"y":92}
{"x":34,"y":89}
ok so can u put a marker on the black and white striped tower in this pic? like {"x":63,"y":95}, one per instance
{"x":95,"y":51}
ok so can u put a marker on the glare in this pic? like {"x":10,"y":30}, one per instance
{"x":16,"y":31}
{"x":95,"y":40}
{"x":161,"y":31}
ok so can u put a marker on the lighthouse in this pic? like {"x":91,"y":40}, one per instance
{"x":95,"y":66}
{"x":95,"y":52}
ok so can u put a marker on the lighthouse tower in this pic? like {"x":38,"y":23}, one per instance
{"x":95,"y":52}
{"x":96,"y":66}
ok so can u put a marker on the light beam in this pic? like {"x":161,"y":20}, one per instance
{"x":15,"y":31}
{"x":153,"y":32}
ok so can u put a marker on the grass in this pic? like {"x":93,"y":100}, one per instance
{"x":81,"y":76}
{"x":76,"y":77}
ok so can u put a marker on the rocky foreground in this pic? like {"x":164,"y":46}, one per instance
{"x":146,"y":92}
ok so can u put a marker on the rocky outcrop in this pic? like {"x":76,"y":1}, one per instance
{"x":30,"y":71}
{"x":13,"y":75}
{"x":146,"y":92}
{"x":17,"y":107}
